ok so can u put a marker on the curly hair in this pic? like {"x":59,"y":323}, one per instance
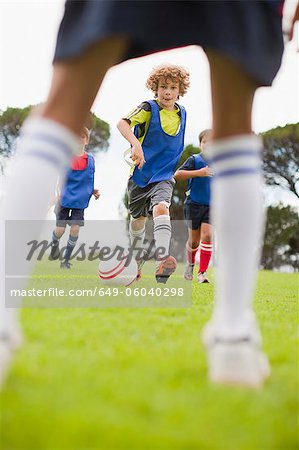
{"x":168,"y":71}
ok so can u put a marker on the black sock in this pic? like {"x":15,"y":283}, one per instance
{"x":70,"y":247}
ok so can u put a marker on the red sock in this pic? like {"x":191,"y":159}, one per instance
{"x":206,"y":249}
{"x":190,"y":254}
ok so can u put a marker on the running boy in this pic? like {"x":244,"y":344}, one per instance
{"x":76,"y":193}
{"x":197,"y":209}
{"x":157,"y":144}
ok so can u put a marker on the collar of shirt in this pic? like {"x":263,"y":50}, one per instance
{"x":80,"y":162}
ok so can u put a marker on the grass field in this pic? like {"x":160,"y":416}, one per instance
{"x":135,"y":378}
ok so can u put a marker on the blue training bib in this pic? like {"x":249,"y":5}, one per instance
{"x":161,"y":150}
{"x":200,"y":187}
{"x":79,"y":187}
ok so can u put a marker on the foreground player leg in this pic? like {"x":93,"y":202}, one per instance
{"x":48,"y":142}
{"x":165,"y":264}
{"x":232,"y":337}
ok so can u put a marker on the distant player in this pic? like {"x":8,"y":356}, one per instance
{"x":73,"y":200}
{"x":157,"y":144}
{"x":243,"y":41}
{"x":197,"y":209}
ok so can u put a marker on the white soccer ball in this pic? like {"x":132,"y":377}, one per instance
{"x":118,"y":270}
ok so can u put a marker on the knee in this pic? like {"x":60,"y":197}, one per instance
{"x":160,"y":209}
{"x":74,"y":230}
{"x":137,"y":224}
{"x":59,"y":231}
{"x":206,"y":238}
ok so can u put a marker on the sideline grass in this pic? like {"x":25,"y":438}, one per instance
{"x":136,"y":379}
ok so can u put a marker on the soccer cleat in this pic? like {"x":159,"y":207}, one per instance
{"x":55,"y":252}
{"x":202,"y":277}
{"x":188,"y":274}
{"x":235,"y":361}
{"x":165,"y":268}
{"x":65,"y":264}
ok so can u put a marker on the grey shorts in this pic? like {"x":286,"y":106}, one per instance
{"x":142,"y":200}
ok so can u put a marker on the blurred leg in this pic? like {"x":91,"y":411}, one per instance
{"x":76,"y":83}
{"x":232,"y":97}
{"x":237,"y":206}
{"x":48,"y":141}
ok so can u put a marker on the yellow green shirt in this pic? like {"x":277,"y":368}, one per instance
{"x":170,"y":120}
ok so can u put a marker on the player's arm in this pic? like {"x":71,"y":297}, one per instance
{"x":96,"y":192}
{"x":140,"y":116}
{"x":187,"y":170}
{"x":293,"y":22}
{"x":137,"y":156}
{"x":181,"y":175}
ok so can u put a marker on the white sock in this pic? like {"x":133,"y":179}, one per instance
{"x":44,"y":153}
{"x":137,"y":241}
{"x":238,"y":218}
{"x":162,"y":234}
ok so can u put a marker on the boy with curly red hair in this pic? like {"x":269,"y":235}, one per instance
{"x":157,"y":143}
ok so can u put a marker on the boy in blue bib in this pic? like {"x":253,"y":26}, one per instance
{"x":75,"y":195}
{"x":197,"y":209}
{"x":157,"y":143}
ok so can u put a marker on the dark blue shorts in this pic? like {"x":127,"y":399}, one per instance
{"x":69,"y":216}
{"x":196,"y":214}
{"x":247,"y":31}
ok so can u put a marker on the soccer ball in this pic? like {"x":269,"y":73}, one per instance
{"x":118,"y":270}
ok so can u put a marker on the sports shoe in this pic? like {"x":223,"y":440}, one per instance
{"x":235,"y":361}
{"x":65,"y":264}
{"x":202,"y":277}
{"x":188,"y":274}
{"x":55,"y":252}
{"x":165,"y":268}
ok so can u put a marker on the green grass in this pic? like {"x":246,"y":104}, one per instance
{"x":135,"y":378}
